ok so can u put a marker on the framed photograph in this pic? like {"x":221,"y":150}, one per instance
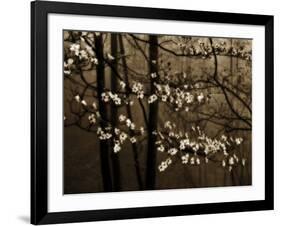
{"x":144,"y":112}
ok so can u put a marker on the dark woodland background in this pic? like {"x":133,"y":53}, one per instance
{"x":219,"y":69}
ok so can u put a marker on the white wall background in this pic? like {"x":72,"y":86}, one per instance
{"x":15,"y":113}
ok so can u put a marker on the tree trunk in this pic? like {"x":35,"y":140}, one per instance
{"x":114,"y":117}
{"x":153,"y":115}
{"x":104,"y":147}
{"x":129,"y":113}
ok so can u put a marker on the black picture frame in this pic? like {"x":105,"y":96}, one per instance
{"x":39,"y":112}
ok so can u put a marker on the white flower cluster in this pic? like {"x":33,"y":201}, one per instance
{"x":238,"y":140}
{"x":152,"y":98}
{"x":86,"y":54}
{"x":232,"y":160}
{"x":107,"y":96}
{"x":185,"y":158}
{"x":120,"y":138}
{"x":137,"y":88}
{"x":187,"y":144}
{"x":163,"y":91}
{"x":195,"y":160}
{"x":82,"y":54}
{"x":213,"y":145}
{"x":164,"y":165}
{"x":67,"y":66}
{"x":195,"y":143}
{"x":103,"y":134}
{"x":179,"y":98}
{"x":128,"y":122}
{"x":96,"y":114}
{"x":75,"y":48}
{"x":204,"y":49}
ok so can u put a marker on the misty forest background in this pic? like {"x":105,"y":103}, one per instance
{"x":146,"y":112}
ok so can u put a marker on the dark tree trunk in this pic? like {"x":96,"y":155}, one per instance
{"x":153,"y":115}
{"x":114,"y":117}
{"x":129,"y":113}
{"x":104,"y":147}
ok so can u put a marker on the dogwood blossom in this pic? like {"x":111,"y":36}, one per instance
{"x":192,"y":160}
{"x":107,"y":96}
{"x":122,"y":118}
{"x":122,"y":84}
{"x":123,"y":136}
{"x":231,"y":161}
{"x":83,"y":102}
{"x":83,"y":55}
{"x":70,"y":61}
{"x":172,"y":151}
{"x":206,"y":160}
{"x":94,"y":105}
{"x":132,"y":126}
{"x":161,"y":148}
{"x":110,"y":57}
{"x":223,"y":163}
{"x":200,"y":97}
{"x":133,"y":140}
{"x":95,"y":60}
{"x":185,"y":158}
{"x":92,"y":118}
{"x":77,"y":98}
{"x":116,"y":131}
{"x":116,"y":147}
{"x":103,"y":135}
{"x":164,"y":164}
{"x":75,"y":48}
{"x":168,"y":125}
{"x":153,"y":75}
{"x":152,"y":98}
{"x":137,"y":88}
{"x":238,"y":140}
{"x":141,"y":130}
{"x":67,"y":72}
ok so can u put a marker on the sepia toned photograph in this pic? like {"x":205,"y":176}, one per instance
{"x":153,"y":112}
